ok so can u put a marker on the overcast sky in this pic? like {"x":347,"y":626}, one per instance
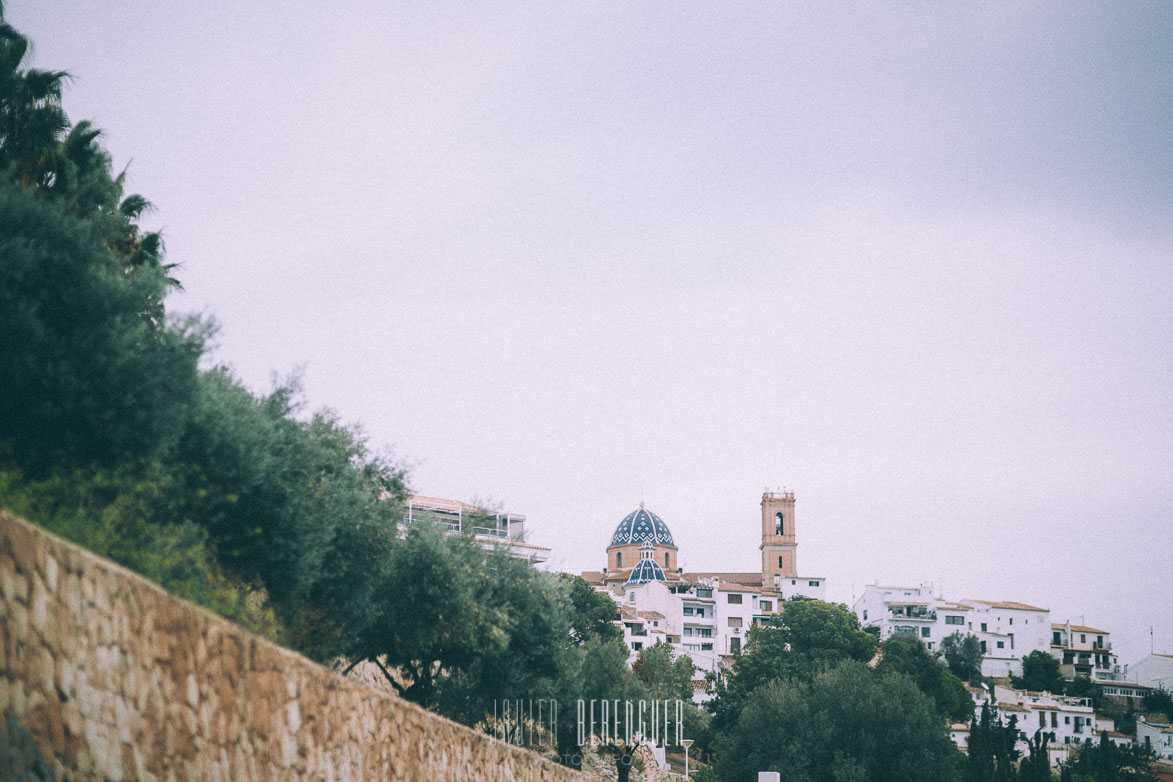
{"x":911,"y":261}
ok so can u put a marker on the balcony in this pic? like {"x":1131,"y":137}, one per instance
{"x":915,"y":616}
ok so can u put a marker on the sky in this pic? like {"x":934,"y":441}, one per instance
{"x":912,"y":262}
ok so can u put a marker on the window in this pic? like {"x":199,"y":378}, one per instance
{"x":983,"y":647}
{"x":735,"y":621}
{"x":954,"y":620}
{"x":655,"y":623}
{"x":1011,"y":620}
{"x":813,"y":583}
{"x":707,"y":647}
{"x":792,"y":582}
{"x":631,"y":597}
{"x":735,"y":645}
{"x":767,"y":605}
{"x":1001,"y":645}
{"x":983,"y":627}
{"x":665,"y":559}
{"x":1055,"y":638}
{"x":1066,"y":720}
{"x":865,"y":614}
{"x":924,"y":632}
{"x":735,"y":600}
{"x":637,"y":645}
{"x":704,"y":632}
{"x":1054,"y":720}
{"x":1083,"y":638}
{"x":778,"y":525}
{"x":704,"y":592}
{"x":687,"y":632}
{"x":689,"y":610}
{"x":618,"y":559}
{"x":779,"y":560}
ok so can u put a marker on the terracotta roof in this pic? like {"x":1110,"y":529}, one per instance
{"x":954,"y":607}
{"x":725,"y":586}
{"x":512,"y":542}
{"x":740,"y":578}
{"x":904,"y":603}
{"x":1078,"y":628}
{"x":420,"y":501}
{"x":1009,"y":606}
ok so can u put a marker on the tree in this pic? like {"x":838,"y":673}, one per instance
{"x":807,"y":636}
{"x":842,"y":724}
{"x":1159,"y":700}
{"x":963,"y":655}
{"x":990,"y":753}
{"x":32,"y":120}
{"x":91,"y":377}
{"x":1040,"y":673}
{"x":664,"y":675}
{"x":593,"y":613}
{"x":1036,"y":766}
{"x":1106,"y":762}
{"x":905,"y":654}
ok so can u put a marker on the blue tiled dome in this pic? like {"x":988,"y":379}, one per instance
{"x":644,"y":571}
{"x":640,"y":526}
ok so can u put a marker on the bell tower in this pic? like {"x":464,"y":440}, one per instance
{"x":778,"y":540}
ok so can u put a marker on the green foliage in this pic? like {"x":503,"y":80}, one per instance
{"x":1107,"y":762}
{"x":1036,"y":766}
{"x":91,"y":376}
{"x":663,"y":674}
{"x":299,"y":508}
{"x":1159,"y":701}
{"x":963,"y":655}
{"x":1040,"y":673}
{"x":593,"y":614}
{"x":807,"y":636}
{"x":991,"y":754}
{"x":842,"y":724}
{"x":110,"y":515}
{"x":905,"y":654}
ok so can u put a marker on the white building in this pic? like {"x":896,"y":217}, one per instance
{"x":707,"y":615}
{"x":1155,"y":670}
{"x":1157,"y":735}
{"x":490,"y":527}
{"x":1006,"y":631}
{"x":1068,"y":721}
{"x":1084,"y":651}
{"x":915,"y":610}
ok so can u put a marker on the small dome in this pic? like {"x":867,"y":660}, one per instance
{"x":642,"y":525}
{"x":644,"y":571}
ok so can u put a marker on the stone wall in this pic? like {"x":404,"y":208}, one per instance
{"x":114,"y":679}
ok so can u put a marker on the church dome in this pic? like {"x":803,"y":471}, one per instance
{"x":642,"y":526}
{"x":647,"y":569}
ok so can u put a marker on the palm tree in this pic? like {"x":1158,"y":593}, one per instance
{"x":32,"y":121}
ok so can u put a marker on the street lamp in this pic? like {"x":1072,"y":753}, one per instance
{"x":686,"y":743}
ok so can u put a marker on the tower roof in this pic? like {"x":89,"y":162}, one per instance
{"x":642,"y":525}
{"x":646,"y":570}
